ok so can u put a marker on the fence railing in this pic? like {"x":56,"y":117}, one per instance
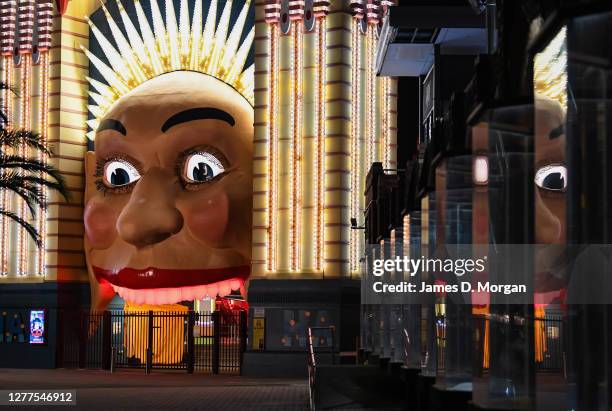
{"x":432,"y":339}
{"x":315,"y":347}
{"x":548,"y":343}
{"x":189,"y":340}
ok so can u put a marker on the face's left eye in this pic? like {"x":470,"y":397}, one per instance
{"x":201,"y":167}
{"x":552,"y":177}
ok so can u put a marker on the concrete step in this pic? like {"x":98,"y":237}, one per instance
{"x":357,"y":388}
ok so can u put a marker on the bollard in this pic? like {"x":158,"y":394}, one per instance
{"x":149,"y":363}
{"x":149,"y":360}
{"x":112,"y":359}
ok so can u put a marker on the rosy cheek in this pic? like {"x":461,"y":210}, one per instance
{"x":208,"y":219}
{"x":100,"y":221}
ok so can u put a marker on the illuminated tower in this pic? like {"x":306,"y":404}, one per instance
{"x":25,"y":43}
{"x":322,"y":117}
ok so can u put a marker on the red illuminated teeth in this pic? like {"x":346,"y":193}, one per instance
{"x":158,"y":296}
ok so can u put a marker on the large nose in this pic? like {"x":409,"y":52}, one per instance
{"x":151,"y":215}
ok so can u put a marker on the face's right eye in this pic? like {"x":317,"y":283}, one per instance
{"x":552,"y":177}
{"x":118,"y":173}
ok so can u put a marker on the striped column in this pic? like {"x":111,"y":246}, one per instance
{"x":44,"y":20}
{"x":266,"y":178}
{"x":373,"y":18}
{"x":388,"y":143}
{"x":68,"y":69}
{"x":26,"y":14}
{"x":338,"y":142}
{"x":68,"y":113}
{"x":356,"y":208}
{"x":320,"y":11}
{"x":296,"y":15}
{"x":44,"y":26}
{"x":8,"y":11}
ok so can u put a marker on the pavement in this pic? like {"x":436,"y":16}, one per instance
{"x":161,"y":390}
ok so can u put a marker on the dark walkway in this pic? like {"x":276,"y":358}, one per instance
{"x":133,"y":390}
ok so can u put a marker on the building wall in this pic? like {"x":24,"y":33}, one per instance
{"x":67,"y":95}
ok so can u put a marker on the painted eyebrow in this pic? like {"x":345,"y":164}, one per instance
{"x":110,"y":124}
{"x":201,"y":113}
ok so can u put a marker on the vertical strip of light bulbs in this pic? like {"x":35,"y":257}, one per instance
{"x":356,"y":168}
{"x":406,"y":236}
{"x":26,"y":29}
{"x":385,"y":146}
{"x":43,"y":122}
{"x":272,"y":13}
{"x":296,"y":13}
{"x":370,"y":96}
{"x":45,"y":24}
{"x":8,"y":12}
{"x":372,"y":16}
{"x":320,"y":9}
{"x":24,"y":124}
{"x":7,"y":78}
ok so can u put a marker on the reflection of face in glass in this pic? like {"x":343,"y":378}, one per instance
{"x":168,"y":193}
{"x":550,"y":172}
{"x":550,"y":181}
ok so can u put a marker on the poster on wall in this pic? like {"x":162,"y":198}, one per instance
{"x":37,"y":327}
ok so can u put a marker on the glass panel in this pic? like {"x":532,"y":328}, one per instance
{"x":550,"y":186}
{"x":589,"y":208}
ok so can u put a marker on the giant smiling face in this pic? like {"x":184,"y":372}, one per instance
{"x":168,"y":193}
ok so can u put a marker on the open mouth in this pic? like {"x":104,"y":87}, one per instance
{"x":169,"y":286}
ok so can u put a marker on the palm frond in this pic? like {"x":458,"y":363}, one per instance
{"x":29,"y":192}
{"x":15,"y":181}
{"x":40,"y":181}
{"x":17,"y":161}
{"x":27,"y":226}
{"x":34,"y":165}
{"x":3,"y":117}
{"x":30,"y":199}
{"x":16,"y":138}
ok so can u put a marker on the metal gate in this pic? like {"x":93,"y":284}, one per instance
{"x":191,"y":341}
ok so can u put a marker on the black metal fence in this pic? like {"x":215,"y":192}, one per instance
{"x":549,"y":335}
{"x":191,"y":341}
{"x":549,"y":343}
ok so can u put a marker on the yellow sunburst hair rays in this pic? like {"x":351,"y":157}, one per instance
{"x":169,"y":46}
{"x":550,"y":70}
